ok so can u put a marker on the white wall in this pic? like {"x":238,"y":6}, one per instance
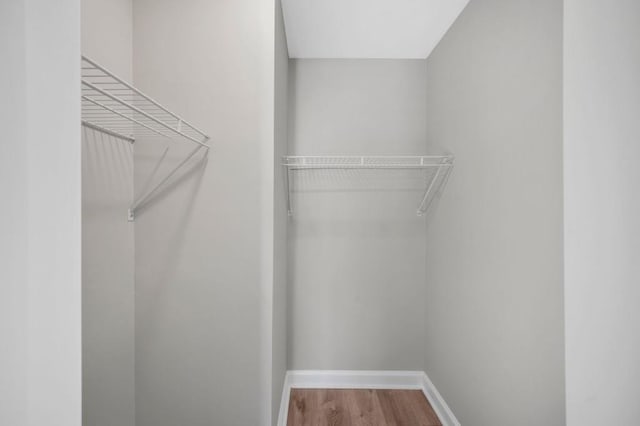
{"x":107,"y":236}
{"x":494,"y":303}
{"x":602,"y":211}
{"x":356,"y":284}
{"x":14,"y":300}
{"x":107,"y":34}
{"x":204,"y":246}
{"x":40,"y":244}
{"x":280,"y":214}
{"x":53,"y":214}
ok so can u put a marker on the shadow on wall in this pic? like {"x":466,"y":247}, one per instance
{"x":107,"y":165}
{"x":341,"y":193}
{"x":171,"y":240}
{"x":193,"y":167}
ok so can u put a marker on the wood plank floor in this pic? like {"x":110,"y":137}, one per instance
{"x":360,"y":407}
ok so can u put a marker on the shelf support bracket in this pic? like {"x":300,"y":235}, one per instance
{"x":142,"y":199}
{"x":424,"y":205}
{"x":287,"y":180}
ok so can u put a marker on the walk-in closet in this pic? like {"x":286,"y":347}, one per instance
{"x":315,"y":212}
{"x":319,"y":212}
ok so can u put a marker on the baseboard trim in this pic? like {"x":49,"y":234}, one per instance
{"x":438,"y":403}
{"x":353,"y":379}
{"x":284,"y":401}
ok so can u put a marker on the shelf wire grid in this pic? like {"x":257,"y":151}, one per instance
{"x":112,"y":105}
{"x":364,"y":162}
{"x":433,"y":174}
{"x":115,"y":107}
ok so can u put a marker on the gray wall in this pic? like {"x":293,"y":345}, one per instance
{"x":40,"y":220}
{"x":107,"y":236}
{"x":280,"y":218}
{"x":494,"y":300}
{"x":357,"y":248}
{"x":602,"y":211}
{"x":204,"y":246}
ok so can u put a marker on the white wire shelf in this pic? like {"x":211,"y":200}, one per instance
{"x":115,"y":107}
{"x":440,"y":167}
{"x":112,"y":105}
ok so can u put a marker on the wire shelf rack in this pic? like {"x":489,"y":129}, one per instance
{"x":115,"y":107}
{"x":112,"y":105}
{"x":439,"y":167}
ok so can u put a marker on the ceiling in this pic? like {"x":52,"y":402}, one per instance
{"x":367,"y":28}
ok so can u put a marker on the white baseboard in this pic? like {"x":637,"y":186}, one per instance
{"x":284,"y":401}
{"x":348,"y":379}
{"x":438,"y":403}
